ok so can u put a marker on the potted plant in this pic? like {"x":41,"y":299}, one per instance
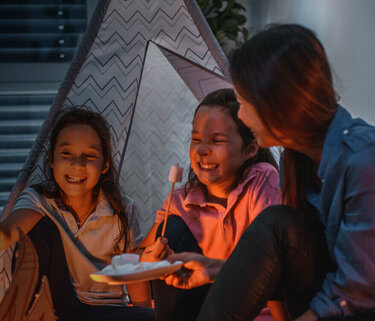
{"x":227,"y":21}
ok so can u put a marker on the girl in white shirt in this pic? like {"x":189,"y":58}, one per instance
{"x":80,"y":209}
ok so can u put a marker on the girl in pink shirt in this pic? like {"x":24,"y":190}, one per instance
{"x":231,"y":180}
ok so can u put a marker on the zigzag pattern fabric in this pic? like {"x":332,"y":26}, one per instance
{"x":144,"y":65}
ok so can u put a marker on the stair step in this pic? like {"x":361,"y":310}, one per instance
{"x":43,"y":11}
{"x":36,"y":55}
{"x":11,"y":26}
{"x":19,"y":99}
{"x":20,"y":126}
{"x":47,"y":2}
{"x":4,"y":197}
{"x":38,"y":40}
{"x":14,"y":155}
{"x":6,"y":184}
{"x":23,"y":112}
{"x":10,"y":169}
{"x":17,"y":141}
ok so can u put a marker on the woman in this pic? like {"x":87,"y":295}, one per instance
{"x":317,"y":250}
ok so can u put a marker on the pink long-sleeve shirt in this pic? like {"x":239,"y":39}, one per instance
{"x":218,"y":229}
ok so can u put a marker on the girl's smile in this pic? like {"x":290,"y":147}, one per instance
{"x":216,"y":149}
{"x":77,"y":162}
{"x":207,"y":166}
{"x":74,"y":179}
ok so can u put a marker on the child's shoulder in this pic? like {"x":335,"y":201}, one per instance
{"x":32,"y":198}
{"x":179,"y":192}
{"x":263,"y":167}
{"x":33,"y":192}
{"x":260,"y":174}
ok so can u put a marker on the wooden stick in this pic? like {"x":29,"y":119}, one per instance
{"x":167,"y":212}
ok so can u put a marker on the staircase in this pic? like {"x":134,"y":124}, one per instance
{"x":37,"y":41}
{"x":40,"y":30}
{"x":21,"y":116}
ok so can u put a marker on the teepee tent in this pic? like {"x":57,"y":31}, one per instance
{"x":144,"y":65}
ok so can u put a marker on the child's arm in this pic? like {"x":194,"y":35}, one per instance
{"x":151,"y":250}
{"x":25,"y":219}
{"x":140,"y":294}
{"x":150,"y":237}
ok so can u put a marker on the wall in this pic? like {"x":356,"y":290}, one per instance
{"x":346,"y":29}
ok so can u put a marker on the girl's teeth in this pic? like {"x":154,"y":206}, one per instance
{"x":75,"y":179}
{"x":208,"y":166}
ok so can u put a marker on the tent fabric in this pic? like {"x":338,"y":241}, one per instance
{"x":144,"y":65}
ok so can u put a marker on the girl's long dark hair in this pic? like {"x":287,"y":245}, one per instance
{"x":108,"y":182}
{"x":284,"y":73}
{"x":226,"y":99}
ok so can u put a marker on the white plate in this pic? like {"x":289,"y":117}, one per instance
{"x":147,"y":275}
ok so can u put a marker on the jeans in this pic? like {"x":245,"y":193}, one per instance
{"x":52,"y":263}
{"x":171,"y":303}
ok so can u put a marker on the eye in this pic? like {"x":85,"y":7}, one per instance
{"x":65,"y":154}
{"x":195,"y":140}
{"x":91,"y":157}
{"x":219,"y":141}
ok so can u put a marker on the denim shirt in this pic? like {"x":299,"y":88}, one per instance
{"x":346,"y":207}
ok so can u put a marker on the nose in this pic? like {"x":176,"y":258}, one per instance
{"x":203,"y":149}
{"x":79,"y":161}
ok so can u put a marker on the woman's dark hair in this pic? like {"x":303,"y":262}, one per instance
{"x":226,"y":99}
{"x":108,"y":182}
{"x":284,"y":73}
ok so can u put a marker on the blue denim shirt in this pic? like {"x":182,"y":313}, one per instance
{"x":346,"y":207}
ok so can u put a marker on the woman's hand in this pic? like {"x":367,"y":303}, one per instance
{"x":157,"y":251}
{"x":309,"y":315}
{"x":197,"y":270}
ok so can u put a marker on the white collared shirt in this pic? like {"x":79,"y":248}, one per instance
{"x":90,"y":247}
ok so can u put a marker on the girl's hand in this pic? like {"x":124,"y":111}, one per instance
{"x":197,"y":270}
{"x":157,"y":251}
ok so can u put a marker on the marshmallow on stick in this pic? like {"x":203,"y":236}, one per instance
{"x":175,"y":175}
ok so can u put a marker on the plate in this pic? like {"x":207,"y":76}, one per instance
{"x":111,"y":277}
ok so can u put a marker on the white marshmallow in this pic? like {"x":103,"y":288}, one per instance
{"x":175,"y":173}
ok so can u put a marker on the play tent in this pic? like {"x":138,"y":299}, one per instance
{"x":144,"y":65}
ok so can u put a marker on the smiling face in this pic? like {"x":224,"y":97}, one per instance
{"x":77,"y":162}
{"x":216,"y":149}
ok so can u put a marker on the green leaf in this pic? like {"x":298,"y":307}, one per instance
{"x":226,"y":19}
{"x":239,"y":6}
{"x":231,"y":25}
{"x":241,"y":19}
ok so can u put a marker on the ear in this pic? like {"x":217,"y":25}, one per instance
{"x":105,"y":168}
{"x":252,"y":149}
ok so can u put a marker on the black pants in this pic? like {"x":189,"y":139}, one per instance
{"x":171,"y":303}
{"x":52,"y":263}
{"x":281,"y":251}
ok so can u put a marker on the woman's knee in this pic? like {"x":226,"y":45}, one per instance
{"x":179,"y":236}
{"x":275,"y":218}
{"x":282,"y":227}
